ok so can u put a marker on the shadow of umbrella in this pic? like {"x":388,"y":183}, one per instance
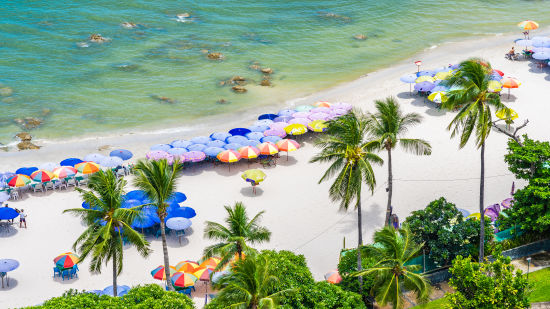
{"x":7,"y":265}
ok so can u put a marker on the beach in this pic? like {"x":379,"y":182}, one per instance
{"x":298,"y":211}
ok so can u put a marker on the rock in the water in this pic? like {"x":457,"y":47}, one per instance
{"x":128,"y":25}
{"x":97,"y":38}
{"x":163,"y":99}
{"x":267,"y":70}
{"x":222,"y":101}
{"x":239,"y":89}
{"x":204,"y":51}
{"x":254,"y":67}
{"x":183,"y":15}
{"x":6,"y":91}
{"x":265,"y":82}
{"x":24,"y":136}
{"x":215,"y":56}
{"x":360,"y":37}
{"x":27,"y":145}
{"x":28,"y":123}
{"x":239,"y":80}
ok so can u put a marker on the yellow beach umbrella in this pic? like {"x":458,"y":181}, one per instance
{"x":254,"y":175}
{"x":494,"y":86}
{"x":268,"y":148}
{"x":317,"y":125}
{"x":187,"y":266}
{"x":295,"y":129}
{"x":442,"y":75}
{"x":502,"y":114}
{"x":528,"y":25}
{"x":425,"y":78}
{"x":211,"y":262}
{"x":438,"y":97}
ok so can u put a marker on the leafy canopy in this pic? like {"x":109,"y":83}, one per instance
{"x":530,"y":161}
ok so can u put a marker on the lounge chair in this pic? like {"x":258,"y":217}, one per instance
{"x":65,"y":273}
{"x":37,"y":187}
{"x":48,"y":185}
{"x":14,"y":195}
{"x":70,"y":181}
{"x":57,"y":184}
{"x":56,"y":271}
{"x":73,"y":273}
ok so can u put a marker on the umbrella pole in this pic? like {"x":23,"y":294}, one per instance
{"x":287,"y":155}
{"x":508,"y":93}
{"x":410,"y":89}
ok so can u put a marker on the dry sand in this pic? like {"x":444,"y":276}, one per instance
{"x":298,"y":211}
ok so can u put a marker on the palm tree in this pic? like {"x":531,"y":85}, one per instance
{"x":236,"y":236}
{"x":474,"y":101}
{"x":393,"y":249}
{"x":250,"y":285}
{"x":388,"y":125}
{"x":346,"y":148}
{"x":158,"y":180}
{"x":108,"y":224}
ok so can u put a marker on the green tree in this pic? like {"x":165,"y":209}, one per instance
{"x":158,"y":180}
{"x":108,"y":224}
{"x":388,"y":125}
{"x":236,"y":236}
{"x":347,"y":148}
{"x":529,"y":160}
{"x":474,"y":101}
{"x":444,"y":231}
{"x":392,"y":249}
{"x":487,"y":285}
{"x":347,"y":267}
{"x":250,"y":285}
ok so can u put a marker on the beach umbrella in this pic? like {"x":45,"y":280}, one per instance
{"x":317,"y":125}
{"x":121,"y":290}
{"x":239,"y":131}
{"x":157,"y":155}
{"x":409,"y":78}
{"x":499,"y":72}
{"x":286,"y":112}
{"x":494,"y":86}
{"x":144,"y":220}
{"x":268,"y":116}
{"x":216,"y":143}
{"x":304,"y":108}
{"x":268,"y":148}
{"x":280,"y":132}
{"x":524,"y":43}
{"x":270,"y":138}
{"x":442,"y":75}
{"x":211,"y":262}
{"x":93,"y":157}
{"x":48,"y":166}
{"x":64,"y":172}
{"x":333,"y":277}
{"x":425,"y":73}
{"x":163,"y":147}
{"x":440,"y":88}
{"x":26,"y":170}
{"x":438,"y":97}
{"x":129,"y":204}
{"x":18,"y":180}
{"x":287,"y":145}
{"x":87,"y":167}
{"x":303,"y":121}
{"x":507,"y":203}
{"x":321,"y":104}
{"x":42,"y":176}
{"x":300,"y":115}
{"x":495,"y":77}
{"x":111,"y":162}
{"x":70,"y":162}
{"x":187,"y":266}
{"x":254,"y":175}
{"x":220,"y":136}
{"x":318,"y":116}
{"x":232,"y":146}
{"x":296,"y":129}
{"x":502,"y":115}
{"x":200,"y":140}
{"x":528,"y":25}
{"x":176,"y":197}
{"x":342,"y":105}
{"x":181,"y":143}
{"x":213,"y":151}
{"x":321,"y":110}
{"x":237,"y":139}
{"x":196,"y":147}
{"x":176,"y":152}
{"x":184,"y":212}
{"x":122,"y":153}
{"x":541,"y":55}
{"x":338,"y":112}
{"x":541,"y":41}
{"x":510,"y":82}
{"x":229,"y":156}
{"x":203,"y":273}
{"x":249,"y":152}
{"x":7,"y":213}
{"x":7,"y":265}
{"x":278,"y":125}
{"x":159,"y":274}
{"x":194,"y":156}
{"x":258,"y":128}
{"x":263,"y":122}
{"x":139,"y":195}
{"x":255,"y":135}
{"x":178,"y":223}
{"x":491,"y":213}
{"x":282,"y":119}
{"x":424,"y":79}
{"x":66,"y":260}
{"x":183,"y":280}
{"x":464,"y":212}
{"x":424,"y":86}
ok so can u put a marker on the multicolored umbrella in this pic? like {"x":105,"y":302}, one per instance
{"x":87,"y":167}
{"x":268,"y":148}
{"x":64,"y":172}
{"x":66,"y":260}
{"x":438,"y":97}
{"x":494,"y":86}
{"x":187,"y":266}
{"x":183,"y":280}
{"x":322,"y":104}
{"x":42,"y":176}
{"x":424,"y":78}
{"x":249,"y":152}
{"x":502,"y":115}
{"x":203,"y":273}
{"x":296,"y":129}
{"x":287,"y":145}
{"x":159,"y":274}
{"x":333,"y":277}
{"x":317,"y":126}
{"x":211,"y":262}
{"x":229,"y":156}
{"x":18,"y":180}
{"x":528,"y":25}
{"x":254,"y":175}
{"x":442,"y":75}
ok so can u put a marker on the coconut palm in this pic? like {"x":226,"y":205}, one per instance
{"x":388,"y":125}
{"x":393,"y":249}
{"x":158,"y":180}
{"x":347,"y":148}
{"x":472,"y":98}
{"x":108,"y":224}
{"x":250,"y":285}
{"x":236,"y":236}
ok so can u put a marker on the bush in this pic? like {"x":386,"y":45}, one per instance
{"x":323,"y":295}
{"x":527,"y":162}
{"x":348,"y":265}
{"x":147,"y":296}
{"x":445,"y":233}
{"x":487,"y":285}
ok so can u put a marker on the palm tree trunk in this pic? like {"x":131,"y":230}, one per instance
{"x":481,"y":202}
{"x":390,"y":188}
{"x":165,"y":253}
{"x":359,"y":244}
{"x":114,"y":275}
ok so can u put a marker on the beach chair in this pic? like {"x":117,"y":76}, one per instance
{"x":56,"y":271}
{"x":81,"y":181}
{"x":48,"y":185}
{"x":14,"y":195}
{"x":70,"y":182}
{"x":37,"y":187}
{"x":57,"y":184}
{"x":64,"y":274}
{"x":73,"y":273}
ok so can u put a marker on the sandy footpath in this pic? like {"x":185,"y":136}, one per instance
{"x":298,"y":211}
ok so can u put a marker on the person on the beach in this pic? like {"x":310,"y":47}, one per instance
{"x":22,"y":219}
{"x":512,"y":52}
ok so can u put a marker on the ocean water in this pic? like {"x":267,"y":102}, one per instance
{"x":47,"y":72}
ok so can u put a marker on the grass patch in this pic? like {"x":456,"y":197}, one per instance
{"x":436,"y":304}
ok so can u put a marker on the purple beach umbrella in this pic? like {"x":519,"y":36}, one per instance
{"x":424,"y":86}
{"x":177,"y":151}
{"x":303,"y":121}
{"x":278,"y":125}
{"x":200,"y":140}
{"x":279,"y":132}
{"x":215,"y":143}
{"x":319,"y":116}
{"x":194,"y":156}
{"x":282,"y":119}
{"x":286,"y":112}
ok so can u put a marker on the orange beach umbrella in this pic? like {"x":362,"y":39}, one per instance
{"x":268,"y":148}
{"x":249,"y":152}
{"x":528,"y":25}
{"x":333,"y":277}
{"x":187,"y":266}
{"x":510,"y":82}
{"x":229,"y":156}
{"x":87,"y":167}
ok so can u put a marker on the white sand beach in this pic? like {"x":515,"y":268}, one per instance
{"x":298,"y":211}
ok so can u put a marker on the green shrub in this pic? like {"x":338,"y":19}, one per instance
{"x":348,"y":265}
{"x":528,"y":161}
{"x":323,"y":295}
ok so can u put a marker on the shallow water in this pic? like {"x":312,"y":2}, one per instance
{"x":115,"y":85}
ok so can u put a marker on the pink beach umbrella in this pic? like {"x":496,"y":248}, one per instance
{"x":507,"y":203}
{"x":338,"y":112}
{"x":278,"y":125}
{"x":303,"y":121}
{"x":194,"y":156}
{"x":275,"y":132}
{"x":157,"y":155}
{"x":301,"y":115}
{"x":342,"y":105}
{"x":319,"y":116}
{"x":320,"y":110}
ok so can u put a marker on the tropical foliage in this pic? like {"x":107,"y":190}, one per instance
{"x":347,"y":267}
{"x":392,"y":249}
{"x":487,"y":285}
{"x":530,"y":160}
{"x":388,"y":125}
{"x":158,"y":180}
{"x":107,"y":224}
{"x":236,"y":237}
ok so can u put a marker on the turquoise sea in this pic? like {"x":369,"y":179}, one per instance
{"x":46,"y":70}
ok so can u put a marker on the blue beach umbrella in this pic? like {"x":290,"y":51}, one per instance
{"x":131,"y":203}
{"x":232,"y":146}
{"x":220,"y":136}
{"x":7,"y":213}
{"x":273,"y":139}
{"x":93,"y":157}
{"x":268,"y":116}
{"x":163,"y":147}
{"x":255,"y":135}
{"x":200,"y":140}
{"x":425,"y":73}
{"x":213,"y":151}
{"x":496,"y":77}
{"x":263,"y":122}
{"x":26,"y":170}
{"x":239,"y":139}
{"x":111,"y":162}
{"x":258,"y":128}
{"x":181,"y":144}
{"x":177,"y":151}
{"x":178,"y":223}
{"x":8,"y":265}
{"x":70,"y":162}
{"x":250,"y":142}
{"x":144,"y":221}
{"x":122,"y":153}
{"x":439,"y":88}
{"x":184,"y":212}
{"x":524,"y":43}
{"x":286,"y":112}
{"x":139,"y":195}
{"x":197,"y":147}
{"x":121,"y":290}
{"x":409,"y":78}
{"x":239,"y":131}
{"x":424,"y":86}
{"x":216,"y":143}
{"x":177,"y":197}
